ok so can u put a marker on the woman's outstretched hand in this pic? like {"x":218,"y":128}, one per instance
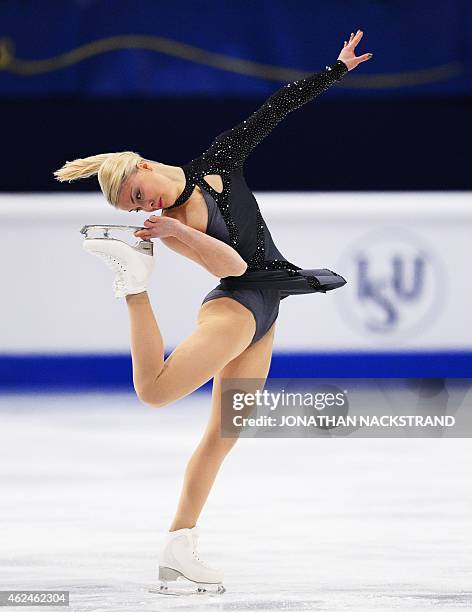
{"x":347,"y":54}
{"x":158,"y":227}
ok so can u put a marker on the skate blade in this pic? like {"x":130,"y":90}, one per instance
{"x":87,"y":228}
{"x":171,"y":576}
{"x":201,"y":590}
{"x":103,"y":231}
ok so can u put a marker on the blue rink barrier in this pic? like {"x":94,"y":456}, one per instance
{"x":112,"y":372}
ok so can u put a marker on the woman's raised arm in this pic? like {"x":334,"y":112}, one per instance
{"x":230,"y":148}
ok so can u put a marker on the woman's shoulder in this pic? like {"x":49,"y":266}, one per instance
{"x":193,"y":213}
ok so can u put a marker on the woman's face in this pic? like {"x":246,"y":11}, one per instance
{"x":146,"y":190}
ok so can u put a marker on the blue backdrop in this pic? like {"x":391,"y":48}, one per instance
{"x":149,"y":48}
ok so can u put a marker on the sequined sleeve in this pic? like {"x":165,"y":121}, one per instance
{"x":230,"y":149}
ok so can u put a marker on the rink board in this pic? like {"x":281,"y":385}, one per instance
{"x":404,"y":310}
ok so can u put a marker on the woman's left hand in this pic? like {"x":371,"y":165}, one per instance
{"x":158,"y":227}
{"x":347,"y":54}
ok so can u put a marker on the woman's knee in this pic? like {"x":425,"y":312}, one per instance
{"x":149,"y":397}
{"x":154,"y":394}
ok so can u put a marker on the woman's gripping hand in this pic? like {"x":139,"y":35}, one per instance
{"x":158,"y":227}
{"x":348,"y":55}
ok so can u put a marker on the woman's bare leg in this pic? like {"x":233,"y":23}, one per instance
{"x":224,"y":329}
{"x":201,"y":471}
{"x":147,"y":345}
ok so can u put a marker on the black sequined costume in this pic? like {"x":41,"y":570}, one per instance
{"x":234,"y":214}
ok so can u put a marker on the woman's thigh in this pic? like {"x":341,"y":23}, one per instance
{"x":224,"y":329}
{"x":253,"y":362}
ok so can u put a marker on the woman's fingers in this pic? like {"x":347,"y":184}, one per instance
{"x":150,"y":222}
{"x":355,"y":38}
{"x":348,"y":55}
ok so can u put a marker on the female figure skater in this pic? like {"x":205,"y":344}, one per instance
{"x":210,"y":215}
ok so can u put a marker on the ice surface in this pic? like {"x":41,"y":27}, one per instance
{"x":89,"y":484}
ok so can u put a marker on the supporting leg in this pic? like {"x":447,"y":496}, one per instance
{"x":201,"y":471}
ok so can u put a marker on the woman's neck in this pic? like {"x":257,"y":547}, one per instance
{"x":177,"y":176}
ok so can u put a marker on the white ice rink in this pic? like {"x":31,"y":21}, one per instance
{"x":89,"y":484}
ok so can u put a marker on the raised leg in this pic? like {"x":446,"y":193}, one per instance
{"x":201,"y":471}
{"x":224,"y":329}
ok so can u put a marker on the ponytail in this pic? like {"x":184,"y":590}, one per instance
{"x":112,"y":169}
{"x":81,"y":168}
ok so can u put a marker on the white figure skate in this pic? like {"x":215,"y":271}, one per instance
{"x":132,"y":264}
{"x":179,"y":559}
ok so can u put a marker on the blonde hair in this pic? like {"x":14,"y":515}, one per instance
{"x":112,"y":169}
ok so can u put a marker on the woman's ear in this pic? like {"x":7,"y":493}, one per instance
{"x":144,"y":165}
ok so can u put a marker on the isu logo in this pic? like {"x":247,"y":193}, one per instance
{"x":396,"y":283}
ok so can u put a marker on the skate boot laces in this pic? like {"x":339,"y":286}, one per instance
{"x":195,"y":553}
{"x":118,"y":268}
